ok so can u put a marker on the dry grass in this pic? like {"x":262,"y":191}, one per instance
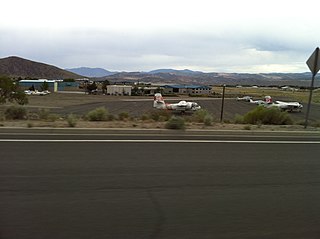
{"x":138,"y":124}
{"x":138,"y":105}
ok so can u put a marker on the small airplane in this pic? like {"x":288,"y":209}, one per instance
{"x":284,"y":106}
{"x":244,"y":98}
{"x":287,"y":106}
{"x":182,"y":106}
{"x":36,"y":92}
{"x":258,"y":102}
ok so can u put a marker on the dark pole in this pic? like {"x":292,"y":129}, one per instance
{"x":222,"y":104}
{"x":311,"y":87}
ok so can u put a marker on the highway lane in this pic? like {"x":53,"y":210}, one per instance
{"x":157,"y":189}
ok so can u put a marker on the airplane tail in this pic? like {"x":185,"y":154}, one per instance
{"x":268,"y":99}
{"x":158,"y":101}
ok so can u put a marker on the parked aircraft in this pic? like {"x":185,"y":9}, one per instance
{"x":257,"y":102}
{"x":36,"y":92}
{"x":244,"y":98}
{"x":284,"y":106}
{"x":288,"y":106}
{"x":182,"y":106}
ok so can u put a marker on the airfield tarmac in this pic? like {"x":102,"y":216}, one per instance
{"x":80,"y":104}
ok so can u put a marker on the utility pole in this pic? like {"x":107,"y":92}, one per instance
{"x":222,"y":103}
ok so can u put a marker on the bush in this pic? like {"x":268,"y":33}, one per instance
{"x":15,"y":112}
{"x":160,"y":115}
{"x":144,"y":117}
{"x":98,"y":114}
{"x":315,"y":124}
{"x":208,"y":120}
{"x":262,"y":115}
{"x":175,"y":123}
{"x":200,"y":115}
{"x":72,"y":120}
{"x":247,"y":127}
{"x":110,"y":117}
{"x":123,"y":116}
{"x":2,"y":117}
{"x":238,"y":119}
{"x":44,"y":114}
{"x":53,"y":117}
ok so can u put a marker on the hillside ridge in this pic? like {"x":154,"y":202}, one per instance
{"x":17,"y":67}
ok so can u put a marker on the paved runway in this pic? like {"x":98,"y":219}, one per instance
{"x":59,"y":184}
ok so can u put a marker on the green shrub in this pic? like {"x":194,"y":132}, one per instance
{"x":160,"y":115}
{"x":247,"y":127}
{"x":72,"y":120}
{"x":98,"y":114}
{"x":144,"y":117}
{"x":53,"y":117}
{"x":300,"y":122}
{"x":175,"y":123}
{"x":14,"y":112}
{"x":123,"y":116}
{"x":110,"y":117}
{"x":238,"y":119}
{"x":262,"y":115}
{"x":44,"y":114}
{"x":200,"y":115}
{"x":2,"y":117}
{"x":208,"y":120}
{"x":315,"y":124}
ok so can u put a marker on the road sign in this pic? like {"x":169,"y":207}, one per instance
{"x":314,"y":65}
{"x":314,"y":62}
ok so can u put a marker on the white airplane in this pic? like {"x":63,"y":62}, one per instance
{"x":244,"y":98}
{"x":287,"y":106}
{"x":257,"y":102}
{"x":284,"y":106}
{"x":182,"y":106}
{"x":36,"y":92}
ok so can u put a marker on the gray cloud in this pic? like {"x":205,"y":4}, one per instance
{"x":128,"y":50}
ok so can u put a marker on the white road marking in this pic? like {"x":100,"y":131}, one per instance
{"x":157,"y":141}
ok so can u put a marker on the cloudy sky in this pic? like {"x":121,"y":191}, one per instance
{"x":140,"y":35}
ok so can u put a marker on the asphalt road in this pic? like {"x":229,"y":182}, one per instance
{"x":71,"y":184}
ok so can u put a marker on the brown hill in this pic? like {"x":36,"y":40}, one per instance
{"x":18,"y":67}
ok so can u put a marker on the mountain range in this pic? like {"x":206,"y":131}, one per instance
{"x":91,"y":72}
{"x":17,"y":67}
{"x":171,"y":76}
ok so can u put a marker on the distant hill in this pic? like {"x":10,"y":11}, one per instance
{"x":169,"y":76}
{"x":91,"y":72}
{"x":177,"y":72}
{"x":18,"y":67}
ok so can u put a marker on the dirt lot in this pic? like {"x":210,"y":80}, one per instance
{"x":80,"y":104}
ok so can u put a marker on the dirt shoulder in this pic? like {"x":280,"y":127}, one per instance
{"x":150,"y":125}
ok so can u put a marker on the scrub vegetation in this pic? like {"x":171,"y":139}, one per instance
{"x":160,"y":118}
{"x":175,"y":122}
{"x":77,"y":110}
{"x":262,"y":115}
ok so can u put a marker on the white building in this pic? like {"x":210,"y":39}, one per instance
{"x":119,"y":90}
{"x":37,"y":84}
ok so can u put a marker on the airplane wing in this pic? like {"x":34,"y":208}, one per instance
{"x":289,"y":106}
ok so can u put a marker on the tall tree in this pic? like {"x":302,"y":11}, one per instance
{"x":10,"y":91}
